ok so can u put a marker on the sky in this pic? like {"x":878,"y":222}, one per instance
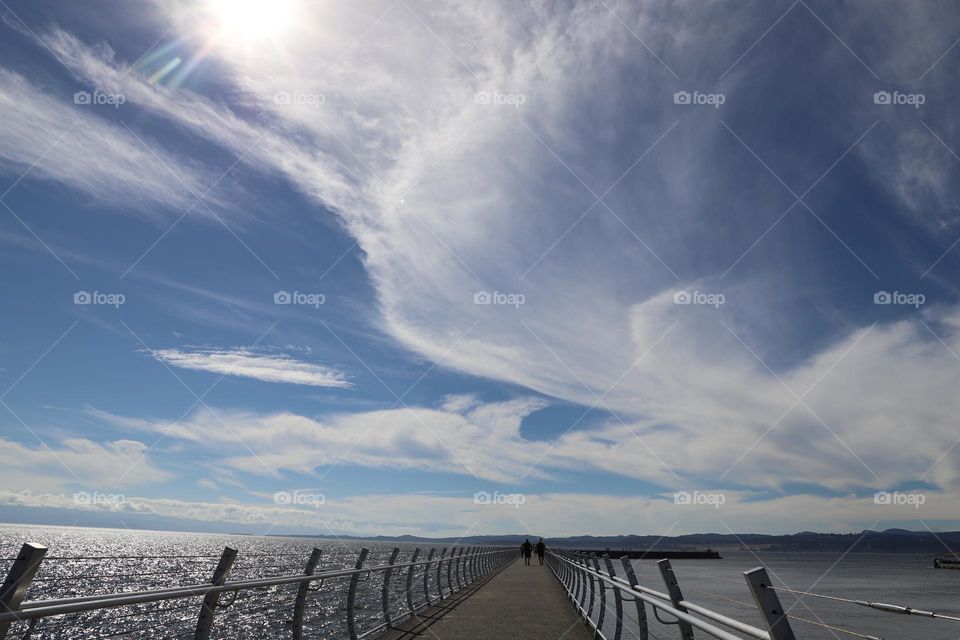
{"x":441,"y":268}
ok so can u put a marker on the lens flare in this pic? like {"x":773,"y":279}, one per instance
{"x":249,"y":20}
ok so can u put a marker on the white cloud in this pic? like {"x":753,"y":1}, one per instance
{"x":714,"y":417}
{"x":248,"y":364}
{"x":553,"y":514}
{"x":483,"y":442}
{"x":483,"y":202}
{"x":76,"y":462}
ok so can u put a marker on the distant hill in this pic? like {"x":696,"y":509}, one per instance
{"x":889,"y":541}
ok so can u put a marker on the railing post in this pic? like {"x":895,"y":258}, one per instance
{"x":456,"y":567}
{"x":617,"y":598}
{"x":602,"y":595}
{"x":578,"y":559}
{"x":302,"y":592}
{"x":443,"y":553}
{"x":352,"y":594}
{"x":586,"y":565}
{"x":469,"y":570}
{"x":581,"y":595}
{"x":676,"y":596}
{"x":413,"y":560}
{"x":774,"y":617}
{"x":641,"y":608}
{"x":385,"y":596}
{"x":208,"y":610}
{"x":18,"y":580}
{"x":426,"y":577}
{"x":453,"y":552}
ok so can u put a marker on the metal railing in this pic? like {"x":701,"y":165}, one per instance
{"x":586,"y":584}
{"x":21,"y":618}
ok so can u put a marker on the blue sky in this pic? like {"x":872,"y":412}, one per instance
{"x":304,"y":267}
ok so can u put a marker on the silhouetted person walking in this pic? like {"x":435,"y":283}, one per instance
{"x":541,"y":549}
{"x":526,"y":550}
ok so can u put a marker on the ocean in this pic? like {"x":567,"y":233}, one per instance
{"x":149,"y":560}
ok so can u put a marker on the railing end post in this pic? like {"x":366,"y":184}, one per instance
{"x":768,"y":602}
{"x":208,"y":610}
{"x":352,"y":593}
{"x":676,"y":595}
{"x":302,"y":590}
{"x":18,"y":579}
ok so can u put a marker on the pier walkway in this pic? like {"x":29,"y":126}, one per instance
{"x":475,"y":593}
{"x":518,"y":601}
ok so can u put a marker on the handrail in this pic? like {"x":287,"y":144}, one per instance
{"x":15,"y":610}
{"x":680,"y":609}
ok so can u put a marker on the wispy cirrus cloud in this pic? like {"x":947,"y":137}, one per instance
{"x":45,"y":135}
{"x":249,"y":364}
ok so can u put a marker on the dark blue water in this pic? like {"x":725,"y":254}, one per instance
{"x":904,"y":579}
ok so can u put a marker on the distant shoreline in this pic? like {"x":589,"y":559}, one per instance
{"x":888,"y":541}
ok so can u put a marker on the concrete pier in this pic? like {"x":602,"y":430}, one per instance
{"x":518,"y":601}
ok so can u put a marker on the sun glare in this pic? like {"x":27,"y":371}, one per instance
{"x":249,"y":20}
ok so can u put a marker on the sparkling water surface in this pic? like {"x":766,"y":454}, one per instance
{"x":85,"y":561}
{"x":138,"y":560}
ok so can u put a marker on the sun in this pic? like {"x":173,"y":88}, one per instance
{"x":251,"y":20}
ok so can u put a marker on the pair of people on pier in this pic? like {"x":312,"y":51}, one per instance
{"x":527,"y":549}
